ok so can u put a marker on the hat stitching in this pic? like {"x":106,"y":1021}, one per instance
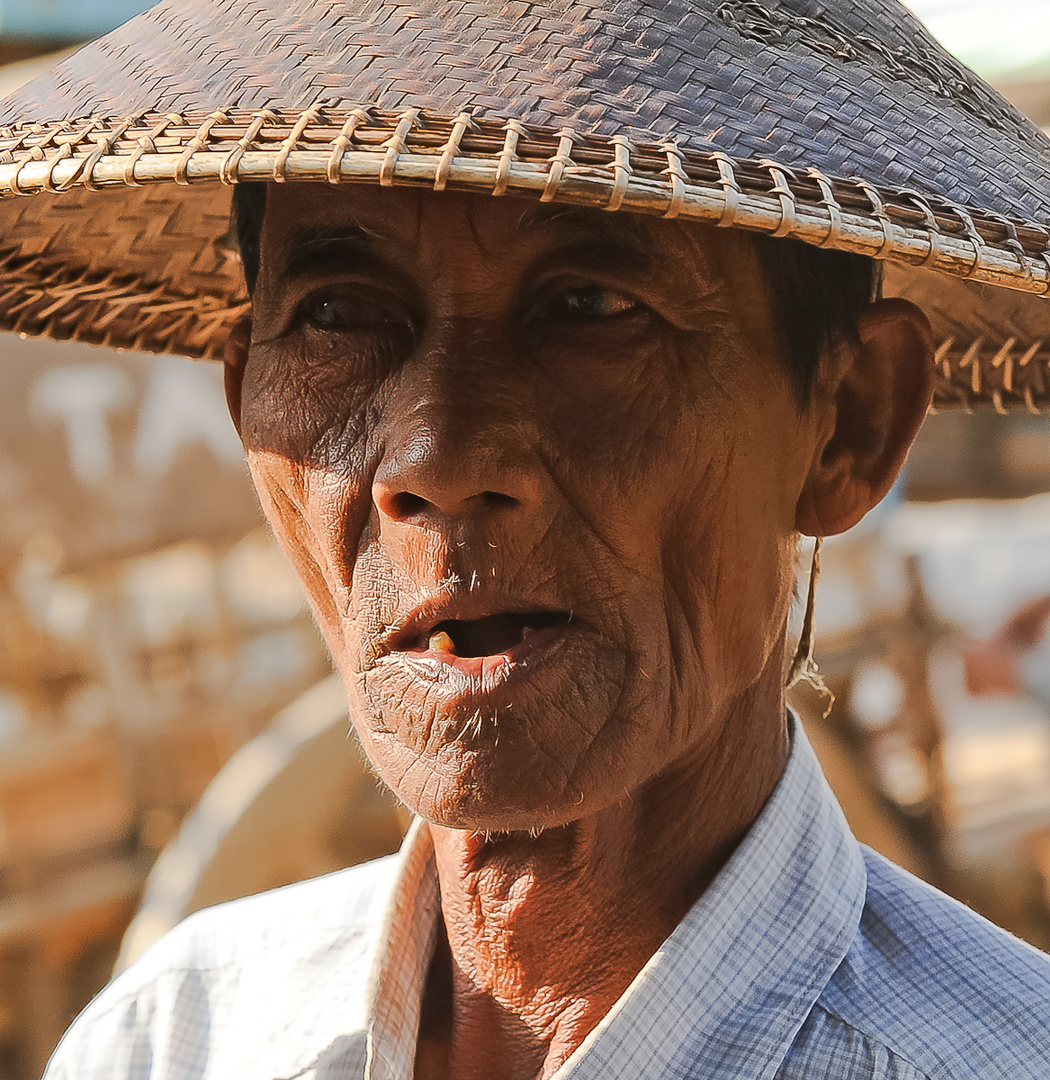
{"x":224,"y":131}
{"x":943,"y":77}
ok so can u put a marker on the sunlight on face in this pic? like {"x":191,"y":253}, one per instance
{"x":538,"y":469}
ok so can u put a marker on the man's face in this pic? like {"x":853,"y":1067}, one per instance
{"x":538,"y":470}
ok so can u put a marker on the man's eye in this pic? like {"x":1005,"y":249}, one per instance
{"x":345,"y":310}
{"x":591,"y":302}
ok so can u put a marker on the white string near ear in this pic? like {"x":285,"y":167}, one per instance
{"x":803,"y":666}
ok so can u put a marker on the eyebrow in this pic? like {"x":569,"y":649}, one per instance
{"x":315,"y":250}
{"x":591,"y":237}
{"x":585,"y":223}
{"x":582,"y":235}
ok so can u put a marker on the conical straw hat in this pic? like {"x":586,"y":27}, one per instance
{"x":843,"y":124}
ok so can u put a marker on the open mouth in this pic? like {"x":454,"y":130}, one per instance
{"x":490,"y":635}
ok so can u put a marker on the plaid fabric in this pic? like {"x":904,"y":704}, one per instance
{"x":808,"y":957}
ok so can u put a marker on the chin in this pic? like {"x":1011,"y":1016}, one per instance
{"x":505,"y":787}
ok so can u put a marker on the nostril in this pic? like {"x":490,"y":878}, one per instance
{"x":408,"y":506}
{"x":404,"y":504}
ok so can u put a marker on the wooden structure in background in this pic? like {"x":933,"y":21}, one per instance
{"x":297,"y":801}
{"x":71,"y":879}
{"x":964,"y":779}
{"x":148,"y":629}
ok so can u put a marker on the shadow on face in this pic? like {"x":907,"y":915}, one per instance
{"x":540,"y":470}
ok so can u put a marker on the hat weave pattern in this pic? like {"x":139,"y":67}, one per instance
{"x":843,"y":125}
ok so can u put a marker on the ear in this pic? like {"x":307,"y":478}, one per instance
{"x":874,"y":398}
{"x":234,"y":358}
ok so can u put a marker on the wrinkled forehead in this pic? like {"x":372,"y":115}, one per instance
{"x":307,"y":227}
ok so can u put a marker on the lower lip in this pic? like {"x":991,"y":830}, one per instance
{"x":474,"y":673}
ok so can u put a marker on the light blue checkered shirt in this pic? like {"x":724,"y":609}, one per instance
{"x":809,"y":956}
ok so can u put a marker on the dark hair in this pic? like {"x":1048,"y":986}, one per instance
{"x":816,"y":293}
{"x":249,"y":206}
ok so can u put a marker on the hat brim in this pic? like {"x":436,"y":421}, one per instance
{"x":121,"y":234}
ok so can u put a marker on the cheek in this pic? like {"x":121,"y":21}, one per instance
{"x":615,"y":432}
{"x":646,"y":452}
{"x":312,"y":513}
{"x":690,"y":478}
{"x":312,"y":407}
{"x":304,"y":429}
{"x":731,"y":548}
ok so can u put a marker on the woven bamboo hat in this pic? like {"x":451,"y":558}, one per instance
{"x":841,"y":123}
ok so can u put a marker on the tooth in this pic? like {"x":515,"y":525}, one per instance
{"x":441,"y":642}
{"x":527,"y":632}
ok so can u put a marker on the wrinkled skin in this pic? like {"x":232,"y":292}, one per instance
{"x":457,"y":407}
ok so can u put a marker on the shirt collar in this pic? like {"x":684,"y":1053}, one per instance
{"x":725,"y":994}
{"x":407,"y":941}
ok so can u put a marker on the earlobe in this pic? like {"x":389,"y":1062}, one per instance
{"x":234,"y":358}
{"x":876,"y":398}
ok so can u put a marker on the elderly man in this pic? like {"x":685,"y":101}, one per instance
{"x":542,"y":469}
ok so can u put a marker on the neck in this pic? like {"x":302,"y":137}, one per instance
{"x":545,"y":933}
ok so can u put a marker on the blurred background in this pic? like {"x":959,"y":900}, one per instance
{"x":171,"y":734}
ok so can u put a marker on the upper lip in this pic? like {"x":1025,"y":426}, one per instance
{"x":409,"y":630}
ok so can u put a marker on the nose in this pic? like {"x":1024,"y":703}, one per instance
{"x":454,"y":459}
{"x":418,"y":480}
